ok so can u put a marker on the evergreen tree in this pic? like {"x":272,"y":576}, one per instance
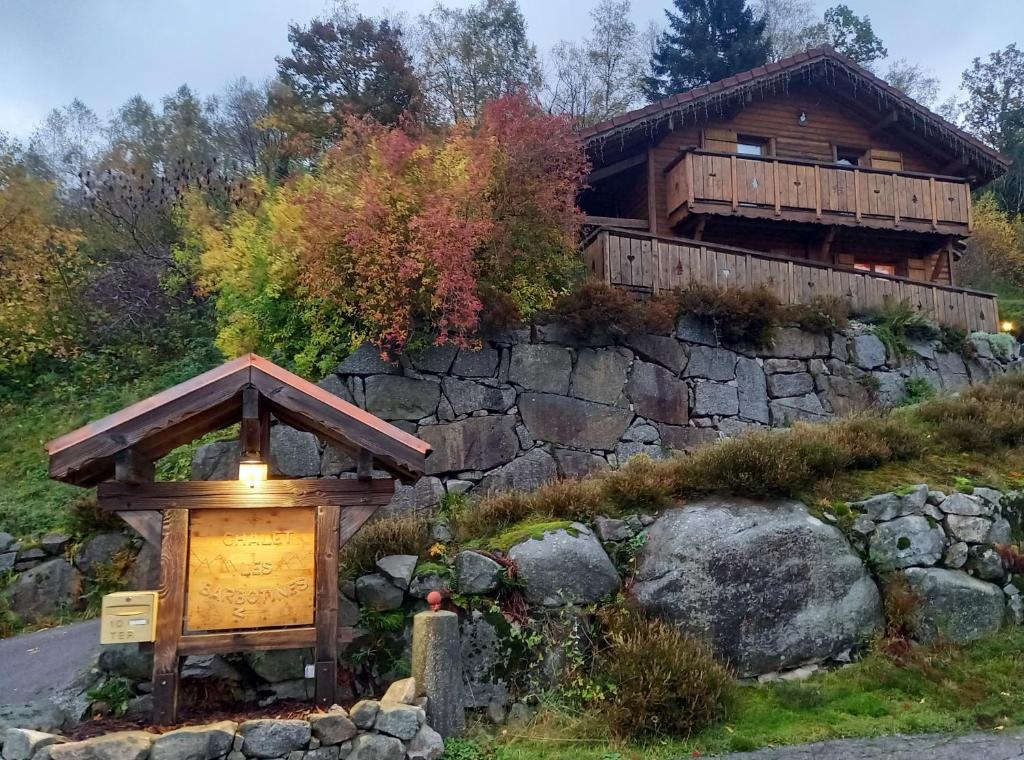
{"x":706,"y":40}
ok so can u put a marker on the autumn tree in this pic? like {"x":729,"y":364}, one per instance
{"x":914,"y":80}
{"x":471,"y":56}
{"x":706,"y":40}
{"x":786,"y":26}
{"x":850,"y":34}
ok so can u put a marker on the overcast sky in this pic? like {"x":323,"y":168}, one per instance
{"x":105,"y":51}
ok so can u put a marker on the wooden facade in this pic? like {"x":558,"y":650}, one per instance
{"x":812,"y":158}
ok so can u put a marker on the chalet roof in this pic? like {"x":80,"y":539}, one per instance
{"x":821,"y":63}
{"x":155,"y":426}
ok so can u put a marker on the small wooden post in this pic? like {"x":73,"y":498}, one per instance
{"x":170,"y":616}
{"x":328,"y":521}
{"x":775,"y":188}
{"x":732,"y":180}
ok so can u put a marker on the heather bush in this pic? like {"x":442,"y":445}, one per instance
{"x":748,"y":316}
{"x":665,"y":683}
{"x":596,"y":308}
{"x":981,"y":418}
{"x":822,"y":314}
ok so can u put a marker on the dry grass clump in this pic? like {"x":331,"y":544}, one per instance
{"x":403,"y":534}
{"x":822,"y":314}
{"x":598,"y":308}
{"x":667,"y":684}
{"x":740,"y":316}
{"x":982,"y":418}
{"x":902,"y":608}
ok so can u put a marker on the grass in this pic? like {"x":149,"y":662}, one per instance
{"x":942,"y":688}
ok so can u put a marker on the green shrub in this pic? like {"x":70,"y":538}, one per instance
{"x":748,"y":316}
{"x":897,"y":322}
{"x":666,"y":683}
{"x":115,"y":691}
{"x":954,"y":340}
{"x":462,"y":749}
{"x":405,"y":534}
{"x":823,"y":314}
{"x":918,"y":390}
{"x":1003,"y":345}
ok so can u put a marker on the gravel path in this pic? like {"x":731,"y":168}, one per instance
{"x":1007,"y":745}
{"x":37,"y":665}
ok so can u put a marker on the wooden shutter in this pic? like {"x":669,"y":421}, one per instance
{"x":808,"y":150}
{"x":890,"y":160}
{"x":721,"y":140}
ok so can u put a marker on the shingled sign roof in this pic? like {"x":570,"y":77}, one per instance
{"x":821,"y":64}
{"x":213,"y":400}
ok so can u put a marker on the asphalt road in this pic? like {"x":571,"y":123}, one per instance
{"x":36,"y":665}
{"x":989,"y":746}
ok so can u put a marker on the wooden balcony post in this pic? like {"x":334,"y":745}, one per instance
{"x":775,"y":188}
{"x":970,"y":211}
{"x":652,"y":194}
{"x":895,"y":199}
{"x":817,"y":191}
{"x":935,"y":203}
{"x":689,"y":179}
{"x":856,"y":194}
{"x":735,"y":188}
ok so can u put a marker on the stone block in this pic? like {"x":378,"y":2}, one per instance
{"x":476,"y":363}
{"x":577,"y":464}
{"x":954,"y":606}
{"x":468,"y":396}
{"x":660,"y":349}
{"x":367,"y":360}
{"x":394,"y":397}
{"x":540,"y":367}
{"x":524,"y":473}
{"x":293,"y":453}
{"x":868,"y":351}
{"x":477,"y":443}
{"x":208,"y":742}
{"x":752,"y":390}
{"x":784,"y":386}
{"x":715,"y":399}
{"x":600,"y":374}
{"x":711,"y":363}
{"x":573,"y":422}
{"x":797,"y":409}
{"x":905,"y":542}
{"x":657,"y":394}
{"x":124,"y":745}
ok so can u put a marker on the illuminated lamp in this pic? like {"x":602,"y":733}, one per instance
{"x":252,"y":471}
{"x":1006,"y":326}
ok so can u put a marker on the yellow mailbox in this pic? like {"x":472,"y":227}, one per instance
{"x":128,"y":616}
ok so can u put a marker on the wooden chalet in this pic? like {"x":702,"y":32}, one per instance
{"x":810,"y":175}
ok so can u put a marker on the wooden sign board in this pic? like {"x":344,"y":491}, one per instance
{"x":250,"y":568}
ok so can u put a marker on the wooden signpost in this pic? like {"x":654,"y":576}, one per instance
{"x":248,"y":564}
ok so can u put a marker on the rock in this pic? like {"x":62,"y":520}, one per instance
{"x":366,"y":360}
{"x":626,"y":451}
{"x":496,"y":713}
{"x":377,"y":747}
{"x":335,"y":461}
{"x":126,"y":660}
{"x":273,"y":738}
{"x":887,"y":506}
{"x":773,"y":366}
{"x":422,"y":585}
{"x":333,"y":727}
{"x":337,"y":387}
{"x":54,"y":543}
{"x":989,"y":496}
{"x":892,"y":389}
{"x":399,"y":720}
{"x":426,"y":745}
{"x":641,"y":431}
{"x":600,"y":374}
{"x":23,"y":743}
{"x":962,"y":504}
{"x":378,"y":592}
{"x":864,"y":525}
{"x":985,"y":564}
{"x":394,"y":397}
{"x":436,"y":359}
{"x":800,"y":408}
{"x":868,"y":351}
{"x":364,"y":713}
{"x":124,"y":745}
{"x":398,"y":568}
{"x":45,"y":590}
{"x":8,"y":543}
{"x":483,"y":656}
{"x":681,"y":438}
{"x":454,"y":485}
{"x":783,"y":386}
{"x":906,"y":541}
{"x":195,"y":742}
{"x":28,"y":558}
{"x":715,"y":399}
{"x":659,"y":349}
{"x":402,"y":691}
{"x":481,"y":363}
{"x":468,"y":396}
{"x":792,"y":342}
{"x":540,"y":367}
{"x":952,"y":371}
{"x":657,"y":394}
{"x":954,"y":606}
{"x":208,"y":666}
{"x":844,"y":392}
{"x":216,"y":461}
{"x":348,"y":612}
{"x":144,"y":572}
{"x":7,"y":561}
{"x":477,"y":573}
{"x":973,"y":530}
{"x":100,"y":549}
{"x":525,"y":473}
{"x":1014,"y":610}
{"x":293,"y":453}
{"x":768,"y":585}
{"x":564,"y":567}
{"x":752,"y":390}
{"x":576,"y":464}
{"x":572,"y":422}
{"x":711,"y":364}
{"x":477,"y":443}
{"x":1000,"y":531}
{"x":956,"y":555}
{"x":519,"y":715}
{"x":422,"y":496}
{"x":279,"y":665}
{"x":611,"y":529}
{"x":696,"y":330}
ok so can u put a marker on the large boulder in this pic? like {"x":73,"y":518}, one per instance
{"x":769,"y":585}
{"x":540,"y":367}
{"x":525,"y":473}
{"x":45,"y":590}
{"x":572,"y":422}
{"x":600,"y":374}
{"x":477,"y":443}
{"x":99,"y":550}
{"x":659,"y":395}
{"x":216,"y":461}
{"x":954,"y":606}
{"x":293,"y":453}
{"x":274,"y":738}
{"x":565,"y":566}
{"x":393,"y":397}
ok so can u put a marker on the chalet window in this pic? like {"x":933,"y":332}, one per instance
{"x":878,"y":268}
{"x":849,"y":156}
{"x":751,"y":146}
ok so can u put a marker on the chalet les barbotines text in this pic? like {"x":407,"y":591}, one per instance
{"x":810,"y":175}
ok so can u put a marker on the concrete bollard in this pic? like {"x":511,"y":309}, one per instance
{"x":437,"y":668}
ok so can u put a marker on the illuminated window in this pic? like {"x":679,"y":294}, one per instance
{"x":864,"y":266}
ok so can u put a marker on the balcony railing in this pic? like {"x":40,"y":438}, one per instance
{"x":642,"y":261}
{"x":754,"y":186}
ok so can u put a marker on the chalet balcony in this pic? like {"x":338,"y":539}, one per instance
{"x":706,"y":182}
{"x":651,"y":263}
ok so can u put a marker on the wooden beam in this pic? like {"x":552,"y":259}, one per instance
{"x":352,"y":519}
{"x":887,"y":121}
{"x":170,"y":617}
{"x":617,"y":168}
{"x":826,"y":244}
{"x":255,"y":427}
{"x":131,"y":467}
{"x":364,"y":465}
{"x":698,"y":230}
{"x":238,"y":641}
{"x":233,"y":494}
{"x":615,"y":221}
{"x":328,"y":522}
{"x":652,"y":194}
